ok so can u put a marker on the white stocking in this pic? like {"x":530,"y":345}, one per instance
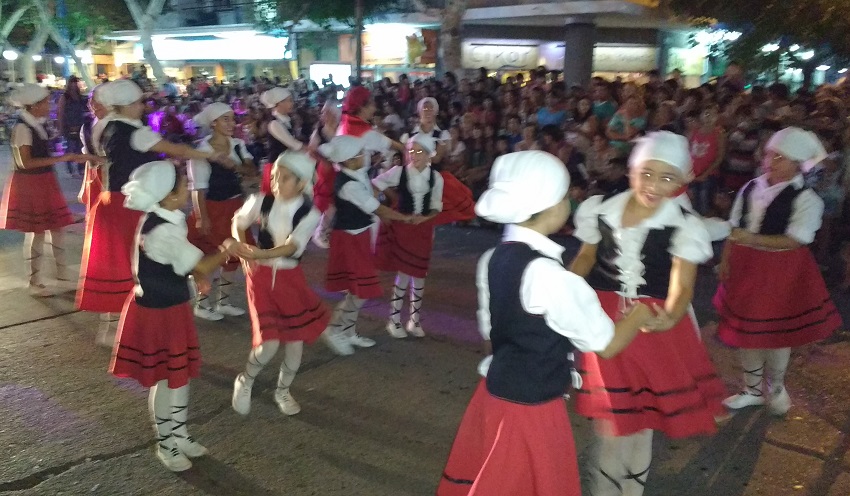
{"x":33,"y":251}
{"x":57,"y":243}
{"x":326,"y":222}
{"x":417,"y":289}
{"x":259,"y":357}
{"x":752,"y":363}
{"x":777,"y":365}
{"x":350,"y":313}
{"x":159,"y":406}
{"x":209,"y":301}
{"x":292,"y":353}
{"x":180,"y":412}
{"x":397,"y":301}
{"x":223,"y":286}
{"x":637,"y":453}
{"x":622,"y":464}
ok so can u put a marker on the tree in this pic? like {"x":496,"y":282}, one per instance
{"x":451,"y":36}
{"x":145,"y":22}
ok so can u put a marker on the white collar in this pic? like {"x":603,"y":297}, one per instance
{"x":668,"y":213}
{"x":284,"y":119}
{"x":361,"y":174}
{"x":176,"y":217}
{"x":417,"y":130}
{"x":411,"y":169}
{"x":797,"y":181}
{"x":534,"y":239}
{"x":32,"y":121}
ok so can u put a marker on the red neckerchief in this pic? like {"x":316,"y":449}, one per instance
{"x":351,"y":125}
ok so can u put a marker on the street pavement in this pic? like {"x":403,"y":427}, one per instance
{"x":378,"y":423}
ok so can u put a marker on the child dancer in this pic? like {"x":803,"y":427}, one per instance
{"x":350,"y":265}
{"x":280,"y":139}
{"x":515,"y":437}
{"x":105,"y":273}
{"x":325,"y":172}
{"x":406,"y":248}
{"x":763,"y":309}
{"x":642,"y":245}
{"x":283,"y":306}
{"x":92,"y":181}
{"x":216,"y":196}
{"x":157,"y":344}
{"x":33,"y":202}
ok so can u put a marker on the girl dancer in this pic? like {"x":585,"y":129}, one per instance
{"x":515,"y":437}
{"x":92,"y":181}
{"x":280,"y":139}
{"x":406,"y":248}
{"x":642,"y":245}
{"x":323,"y":191}
{"x":106,"y":277}
{"x":157,"y":344}
{"x":216,"y":196}
{"x":763,"y":311}
{"x":350,"y":265}
{"x":283,"y":306}
{"x":33,"y":202}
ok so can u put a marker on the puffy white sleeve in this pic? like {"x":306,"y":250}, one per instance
{"x":304,"y":230}
{"x":247,"y":214}
{"x":388,"y":179}
{"x":437,"y":193}
{"x":806,"y":217}
{"x":199,"y":172}
{"x":356,"y":193}
{"x":143,"y":139}
{"x":21,"y":135}
{"x":279,"y":131}
{"x":483,"y":285}
{"x":376,"y":142}
{"x":586,"y":220}
{"x":567,"y":303}
{"x":691,"y":241}
{"x":167,"y":244}
{"x":735,"y":219}
{"x":243,"y":150}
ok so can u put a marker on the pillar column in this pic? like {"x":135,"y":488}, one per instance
{"x":579,"y":40}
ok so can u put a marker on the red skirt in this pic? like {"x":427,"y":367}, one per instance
{"x":156,"y":344}
{"x":266,"y":181}
{"x":663,"y":381}
{"x":774,"y":299}
{"x":34,"y":203}
{"x":323,"y":190}
{"x":405,"y":248}
{"x":92,"y":187}
{"x":351,"y":267}
{"x":221,"y":218}
{"x":106,"y":276}
{"x":458,"y":204}
{"x":283,"y":307}
{"x":505,"y":448}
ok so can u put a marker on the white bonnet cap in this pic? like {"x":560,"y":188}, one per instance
{"x":28,"y":94}
{"x":120,"y":92}
{"x":798,"y":145}
{"x":426,"y":141}
{"x":149,"y":185}
{"x":274,"y":96}
{"x":342,"y":148}
{"x":427,"y":99}
{"x":521,"y":185}
{"x":211,"y":112}
{"x":664,"y":146}
{"x":301,"y":164}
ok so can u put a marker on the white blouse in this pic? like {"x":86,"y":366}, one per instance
{"x":199,"y":169}
{"x":690,"y":240}
{"x":418,"y":183}
{"x":167,"y":243}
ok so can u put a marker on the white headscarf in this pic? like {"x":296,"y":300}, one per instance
{"x":149,"y":185}
{"x":664,"y":146}
{"x":523,"y":184}
{"x":427,"y":99}
{"x":120,"y":92}
{"x":28,"y":94}
{"x":274,"y":96}
{"x":212,"y":112}
{"x":798,"y":145}
{"x":342,"y":148}
{"x":301,"y":164}
{"x":426,"y":141}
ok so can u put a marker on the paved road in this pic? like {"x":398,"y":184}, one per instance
{"x":378,"y":423}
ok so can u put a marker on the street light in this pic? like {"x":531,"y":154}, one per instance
{"x":11,"y":56}
{"x":36,"y":58}
{"x":842,"y":71}
{"x":807,"y":55}
{"x":59,"y":59}
{"x":822,"y":68}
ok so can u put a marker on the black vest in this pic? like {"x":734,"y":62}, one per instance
{"x":405,"y":197}
{"x":88,"y":127}
{"x":224,"y":183}
{"x":161,"y":286}
{"x":531,"y":362}
{"x":655,"y":256}
{"x":40,"y":149}
{"x":777,"y":215}
{"x":265,"y":240}
{"x":274,"y":147}
{"x":123,"y":159}
{"x":348,"y":217}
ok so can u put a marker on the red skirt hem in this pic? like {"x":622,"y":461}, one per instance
{"x":34,"y":203}
{"x":405,"y":248}
{"x":509,"y":448}
{"x":458,"y":203}
{"x":350,"y":265}
{"x":782,"y":316}
{"x":156,"y":344}
{"x":283,"y":307}
{"x":662,"y":381}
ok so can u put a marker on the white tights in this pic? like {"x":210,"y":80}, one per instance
{"x":262,"y":354}
{"x":417,"y":288}
{"x":761,"y":364}
{"x":169,"y":409}
{"x":34,"y":250}
{"x":345,"y":315}
{"x":622,"y":464}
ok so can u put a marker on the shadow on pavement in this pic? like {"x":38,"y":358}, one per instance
{"x":219,"y":479}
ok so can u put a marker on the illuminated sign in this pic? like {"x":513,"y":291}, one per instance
{"x":475,"y":55}
{"x":247,"y":46}
{"x":624,"y":59}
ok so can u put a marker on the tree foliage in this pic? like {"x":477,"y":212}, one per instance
{"x":280,"y":15}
